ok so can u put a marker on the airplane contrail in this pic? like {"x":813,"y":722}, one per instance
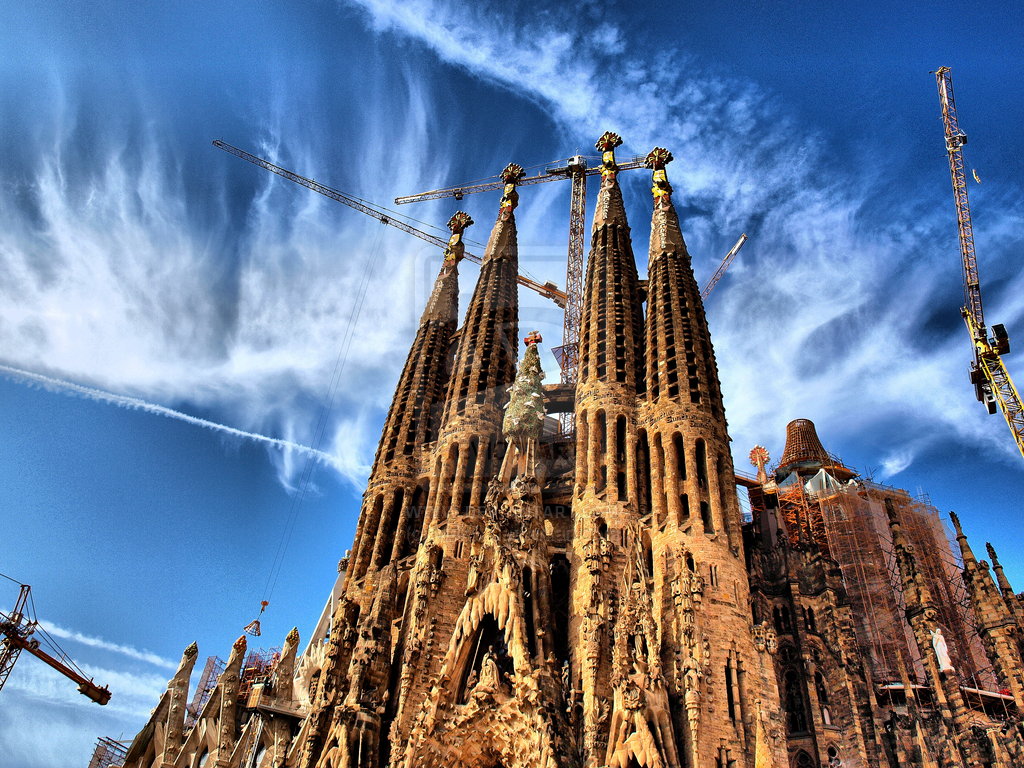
{"x":135,"y":404}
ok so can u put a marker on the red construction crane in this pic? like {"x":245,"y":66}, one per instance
{"x":547,"y":290}
{"x":20,"y":631}
{"x":992,"y":383}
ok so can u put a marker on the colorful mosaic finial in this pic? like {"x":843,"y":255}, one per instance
{"x":656,"y":160}
{"x":509,"y":197}
{"x":455,"y":248}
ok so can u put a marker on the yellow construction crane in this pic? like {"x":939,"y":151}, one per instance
{"x":547,"y":290}
{"x":992,"y":383}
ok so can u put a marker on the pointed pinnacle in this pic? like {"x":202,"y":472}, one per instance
{"x":992,"y":554}
{"x":239,"y":644}
{"x":293,"y":636}
{"x":956,"y":523}
{"x":192,"y":650}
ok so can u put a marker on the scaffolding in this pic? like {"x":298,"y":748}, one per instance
{"x":109,"y":752}
{"x":848,"y":523}
{"x":207,"y":682}
{"x":258,"y":666}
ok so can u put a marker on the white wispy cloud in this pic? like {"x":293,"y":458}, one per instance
{"x":822,"y":315}
{"x":135,"y":404}
{"x":98,"y":642}
{"x":116,"y":279}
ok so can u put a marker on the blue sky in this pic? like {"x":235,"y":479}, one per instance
{"x":138,"y":260}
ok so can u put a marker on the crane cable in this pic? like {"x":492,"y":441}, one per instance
{"x":325,"y":411}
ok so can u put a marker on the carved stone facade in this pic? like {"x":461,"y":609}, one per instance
{"x":514,"y":599}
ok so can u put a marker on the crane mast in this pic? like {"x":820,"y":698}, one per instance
{"x":992,"y":382}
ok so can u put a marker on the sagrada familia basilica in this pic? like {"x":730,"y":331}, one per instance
{"x":520,"y":597}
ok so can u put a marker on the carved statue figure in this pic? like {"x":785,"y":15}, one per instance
{"x":490,"y":675}
{"x":941,"y":650}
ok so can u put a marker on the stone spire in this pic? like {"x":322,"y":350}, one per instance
{"x":680,"y":361}
{"x":485,"y":361}
{"x":1005,"y":589}
{"x":384,"y":530}
{"x":682,"y":377}
{"x":177,"y":692}
{"x":611,"y":338}
{"x":227,"y":713}
{"x":409,"y":420}
{"x":996,"y":625}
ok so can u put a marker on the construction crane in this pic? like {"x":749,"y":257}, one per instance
{"x":710,"y":286}
{"x":576,"y":170}
{"x":992,"y":383}
{"x":20,"y":631}
{"x":547,"y":290}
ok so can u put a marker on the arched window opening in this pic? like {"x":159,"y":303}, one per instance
{"x":659,"y":460}
{"x":783,"y":620}
{"x":834,"y":760}
{"x":796,"y":713}
{"x":701,"y":459}
{"x":803,"y":760}
{"x":691,"y":566}
{"x":620,"y":441}
{"x":705,"y":517}
{"x":560,"y":600}
{"x":582,"y":427}
{"x":809,"y":617}
{"x":643,"y":471}
{"x":602,"y":528}
{"x":488,"y":646}
{"x":823,"y":701}
{"x":684,"y":509}
{"x":602,"y":435}
{"x":677,"y":445}
{"x":410,"y":537}
{"x":729,"y":695}
{"x":466,"y":502}
{"x":388,"y":527}
{"x":370,"y":534}
{"x":436,"y":558}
